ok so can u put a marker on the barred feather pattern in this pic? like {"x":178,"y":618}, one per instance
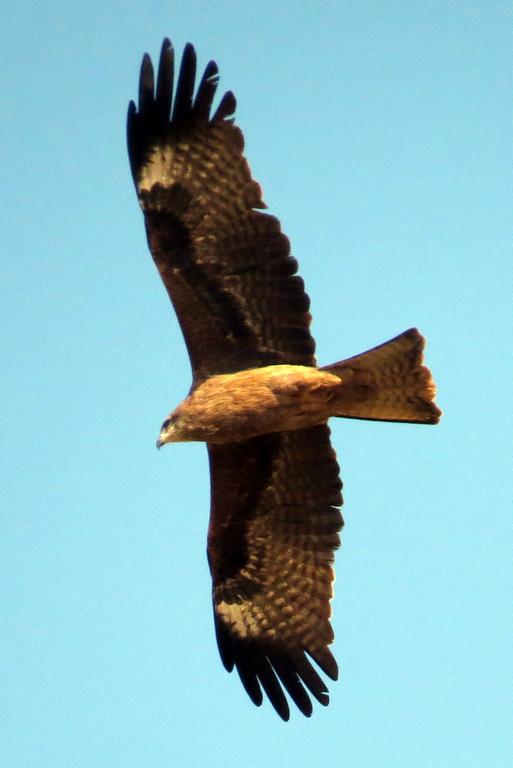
{"x":272,"y":591}
{"x":225,"y":264}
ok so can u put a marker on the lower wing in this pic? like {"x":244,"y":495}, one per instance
{"x":273,"y":531}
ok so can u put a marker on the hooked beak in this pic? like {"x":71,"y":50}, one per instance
{"x":159,"y":443}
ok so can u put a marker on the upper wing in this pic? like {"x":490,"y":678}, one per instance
{"x":273,"y":531}
{"x":226,"y":266}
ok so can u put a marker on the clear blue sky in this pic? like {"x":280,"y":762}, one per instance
{"x":381,"y":133}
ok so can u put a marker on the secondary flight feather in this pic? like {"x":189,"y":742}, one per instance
{"x":258,"y":399}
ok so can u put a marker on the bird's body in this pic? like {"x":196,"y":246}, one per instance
{"x":231,"y":407}
{"x":237,"y":406}
{"x":257,"y":399}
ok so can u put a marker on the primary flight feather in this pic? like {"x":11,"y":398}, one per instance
{"x":257,"y":398}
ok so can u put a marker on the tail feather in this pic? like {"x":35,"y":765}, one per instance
{"x":387,"y":383}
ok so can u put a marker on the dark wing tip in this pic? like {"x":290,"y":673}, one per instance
{"x":165,"y":77}
{"x":184,"y":105}
{"x":146,"y":84}
{"x":263,"y":667}
{"x":226,"y":108}
{"x":156,"y":114}
{"x":326,"y":661}
{"x":185,"y":86}
{"x":206,"y":91}
{"x":255,"y":672}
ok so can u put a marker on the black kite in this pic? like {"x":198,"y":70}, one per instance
{"x":257,"y":398}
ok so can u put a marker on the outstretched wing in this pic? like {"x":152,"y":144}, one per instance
{"x":273,"y":531}
{"x":226,"y":266}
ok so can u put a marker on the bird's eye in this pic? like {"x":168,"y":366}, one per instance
{"x":168,"y":423}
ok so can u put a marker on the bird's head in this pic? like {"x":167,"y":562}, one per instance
{"x":169,"y":431}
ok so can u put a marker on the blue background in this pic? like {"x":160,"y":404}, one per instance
{"x":381,"y":133}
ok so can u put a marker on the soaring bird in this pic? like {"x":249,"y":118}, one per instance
{"x":257,"y":399}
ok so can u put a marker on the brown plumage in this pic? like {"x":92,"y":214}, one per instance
{"x":257,"y":398}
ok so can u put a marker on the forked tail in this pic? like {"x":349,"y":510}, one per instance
{"x":387,"y":383}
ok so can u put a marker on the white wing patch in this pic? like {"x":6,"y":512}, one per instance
{"x":157,"y":168}
{"x":244,"y":618}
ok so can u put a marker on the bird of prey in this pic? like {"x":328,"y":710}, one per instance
{"x":257,"y":399}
